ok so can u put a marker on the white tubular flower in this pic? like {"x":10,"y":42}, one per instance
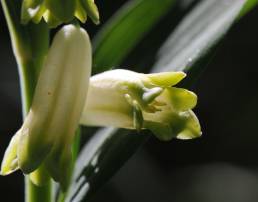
{"x":47,"y":133}
{"x":126,"y":99}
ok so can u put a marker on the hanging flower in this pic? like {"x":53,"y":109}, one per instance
{"x":47,"y":133}
{"x":56,"y":12}
{"x":126,"y":99}
{"x":118,"y":98}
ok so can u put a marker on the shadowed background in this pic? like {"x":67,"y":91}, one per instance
{"x":220,"y":166}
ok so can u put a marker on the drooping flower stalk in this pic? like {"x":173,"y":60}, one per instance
{"x":46,"y":135}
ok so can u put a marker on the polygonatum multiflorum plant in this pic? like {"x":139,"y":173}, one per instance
{"x":60,"y":94}
{"x":119,"y":98}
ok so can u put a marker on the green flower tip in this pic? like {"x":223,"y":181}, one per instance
{"x":56,"y":12}
{"x":45,"y":138}
{"x":142,"y":101}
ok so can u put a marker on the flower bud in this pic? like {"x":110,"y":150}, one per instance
{"x":49,"y":128}
{"x":126,"y":99}
{"x":91,"y":9}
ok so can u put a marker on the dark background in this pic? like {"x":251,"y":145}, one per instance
{"x":219,"y":167}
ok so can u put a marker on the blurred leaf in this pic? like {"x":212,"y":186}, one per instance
{"x":125,"y":29}
{"x":97,"y":154}
{"x":249,"y":5}
{"x":196,"y":34}
{"x":188,"y":47}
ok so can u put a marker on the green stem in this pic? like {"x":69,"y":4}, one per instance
{"x":34,"y":193}
{"x":30,"y":45}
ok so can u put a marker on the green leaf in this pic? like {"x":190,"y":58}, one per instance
{"x":249,"y":5}
{"x":125,"y":30}
{"x":189,"y":49}
{"x":196,"y":34}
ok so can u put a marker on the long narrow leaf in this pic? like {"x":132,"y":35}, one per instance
{"x":128,"y":26}
{"x":249,"y":5}
{"x":100,"y":152}
{"x":197,"y":33}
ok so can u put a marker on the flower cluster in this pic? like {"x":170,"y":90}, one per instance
{"x":56,"y":12}
{"x":66,"y":96}
{"x":48,"y":130}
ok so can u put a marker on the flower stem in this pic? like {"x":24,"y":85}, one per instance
{"x":34,"y":193}
{"x":30,"y":45}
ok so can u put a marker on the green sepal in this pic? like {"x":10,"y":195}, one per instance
{"x":51,"y":20}
{"x":31,"y":13}
{"x":38,"y":16}
{"x":80,"y":13}
{"x":166,"y":79}
{"x":182,"y":125}
{"x":32,"y":150}
{"x":180,"y":99}
{"x":190,"y":126}
{"x":25,"y":14}
{"x":10,"y":162}
{"x":91,"y":9}
{"x":63,"y":10}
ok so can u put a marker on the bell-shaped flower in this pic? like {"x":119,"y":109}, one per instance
{"x":66,"y":96}
{"x":126,"y":99}
{"x":56,"y":12}
{"x":47,"y":133}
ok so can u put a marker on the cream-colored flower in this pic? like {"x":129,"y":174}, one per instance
{"x":47,"y":133}
{"x":126,"y":99}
